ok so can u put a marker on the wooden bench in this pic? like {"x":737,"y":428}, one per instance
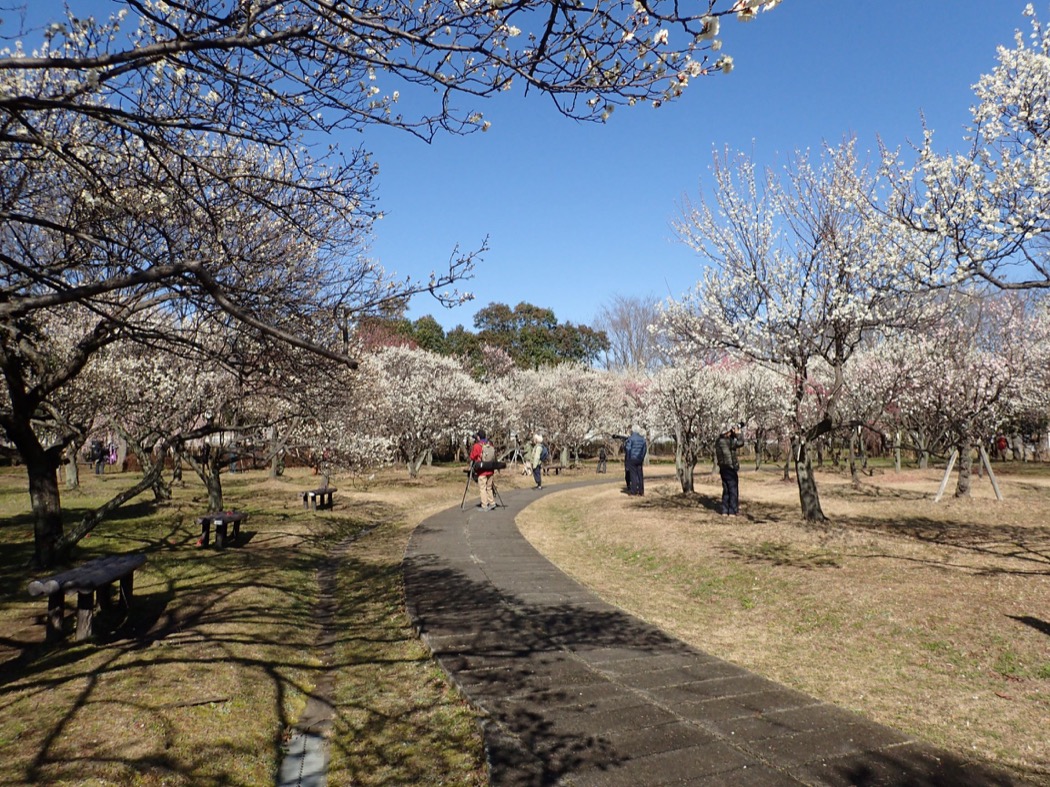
{"x":221,"y":520}
{"x":90,"y":580}
{"x":319,"y":498}
{"x":556,"y":469}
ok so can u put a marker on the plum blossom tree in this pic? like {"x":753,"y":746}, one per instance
{"x":969,"y":372}
{"x":137,"y":151}
{"x":569,"y":404}
{"x":419,"y":400}
{"x":691,"y":401}
{"x":800,"y":269}
{"x":984,"y":214}
{"x":695,"y":400}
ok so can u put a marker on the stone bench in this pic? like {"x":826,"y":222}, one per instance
{"x":220,"y":520}
{"x":319,"y":498}
{"x":90,"y":580}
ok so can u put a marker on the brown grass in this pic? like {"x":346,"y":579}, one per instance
{"x":930,"y":617}
{"x":203,"y":680}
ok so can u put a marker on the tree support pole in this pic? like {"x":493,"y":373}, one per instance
{"x":991,"y":473}
{"x":947,"y":472}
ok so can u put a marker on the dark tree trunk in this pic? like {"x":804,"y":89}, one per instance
{"x":962,"y":488}
{"x":760,"y":442}
{"x":176,"y":468}
{"x":42,"y":470}
{"x":807,"y":487}
{"x":88,"y":523}
{"x":684,"y":462}
{"x":213,"y":480}
{"x":854,"y":475}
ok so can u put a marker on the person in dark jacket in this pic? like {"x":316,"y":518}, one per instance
{"x":634,"y":450}
{"x":729,"y":468}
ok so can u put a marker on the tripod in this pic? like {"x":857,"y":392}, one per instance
{"x":471,"y":477}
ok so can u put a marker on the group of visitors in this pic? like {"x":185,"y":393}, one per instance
{"x":635,"y":449}
{"x":483,"y":464}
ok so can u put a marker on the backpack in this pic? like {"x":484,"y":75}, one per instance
{"x":488,"y":453}
{"x":544,"y":453}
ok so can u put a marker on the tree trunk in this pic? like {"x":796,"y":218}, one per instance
{"x":121,"y":464}
{"x":72,"y":468}
{"x":853,"y":474}
{"x":760,"y":442}
{"x":921,"y":449}
{"x":683,"y":473}
{"x":176,"y":468}
{"x":274,"y":449}
{"x":47,"y":508}
{"x":962,"y":488}
{"x":213,"y":480}
{"x":88,"y":523}
{"x":685,"y":466}
{"x":416,"y":462}
{"x":897,"y":451}
{"x":807,"y":487}
{"x":161,"y":489}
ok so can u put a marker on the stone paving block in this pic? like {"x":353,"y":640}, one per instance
{"x":679,"y":676}
{"x":698,"y":691}
{"x":592,"y":694}
{"x":912,"y":765}
{"x":601,"y":719}
{"x":634,"y":743}
{"x":748,"y":776}
{"x":670,"y":767}
{"x":771,"y":723}
{"x":609,"y":654}
{"x":827,"y":743}
{"x":576,"y":693}
{"x":648,"y":662}
{"x":742,"y":706}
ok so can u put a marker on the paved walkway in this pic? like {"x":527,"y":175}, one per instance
{"x":576,"y":692}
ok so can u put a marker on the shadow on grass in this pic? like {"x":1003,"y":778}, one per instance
{"x":216,"y":618}
{"x":1029,"y":544}
{"x":553,"y":717}
{"x":1042,"y":626}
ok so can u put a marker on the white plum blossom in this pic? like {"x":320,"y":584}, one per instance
{"x":985,"y":213}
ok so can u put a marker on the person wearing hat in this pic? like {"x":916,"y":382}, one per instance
{"x":536,"y":460}
{"x":483,"y":472}
{"x":729,"y":469}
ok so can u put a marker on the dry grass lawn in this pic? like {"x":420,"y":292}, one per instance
{"x":934,"y":618}
{"x":202,"y":681}
{"x":930,"y":617}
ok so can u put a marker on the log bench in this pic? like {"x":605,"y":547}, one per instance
{"x":220,"y":520}
{"x":90,"y":580}
{"x":319,"y":498}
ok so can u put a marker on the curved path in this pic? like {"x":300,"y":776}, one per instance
{"x":574,"y":691}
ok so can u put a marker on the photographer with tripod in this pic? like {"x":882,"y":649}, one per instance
{"x":482,"y":461}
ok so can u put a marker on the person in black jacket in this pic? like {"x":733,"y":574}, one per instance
{"x":634,"y":450}
{"x":728,"y":468}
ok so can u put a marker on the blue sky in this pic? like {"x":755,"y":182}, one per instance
{"x":579,"y":213}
